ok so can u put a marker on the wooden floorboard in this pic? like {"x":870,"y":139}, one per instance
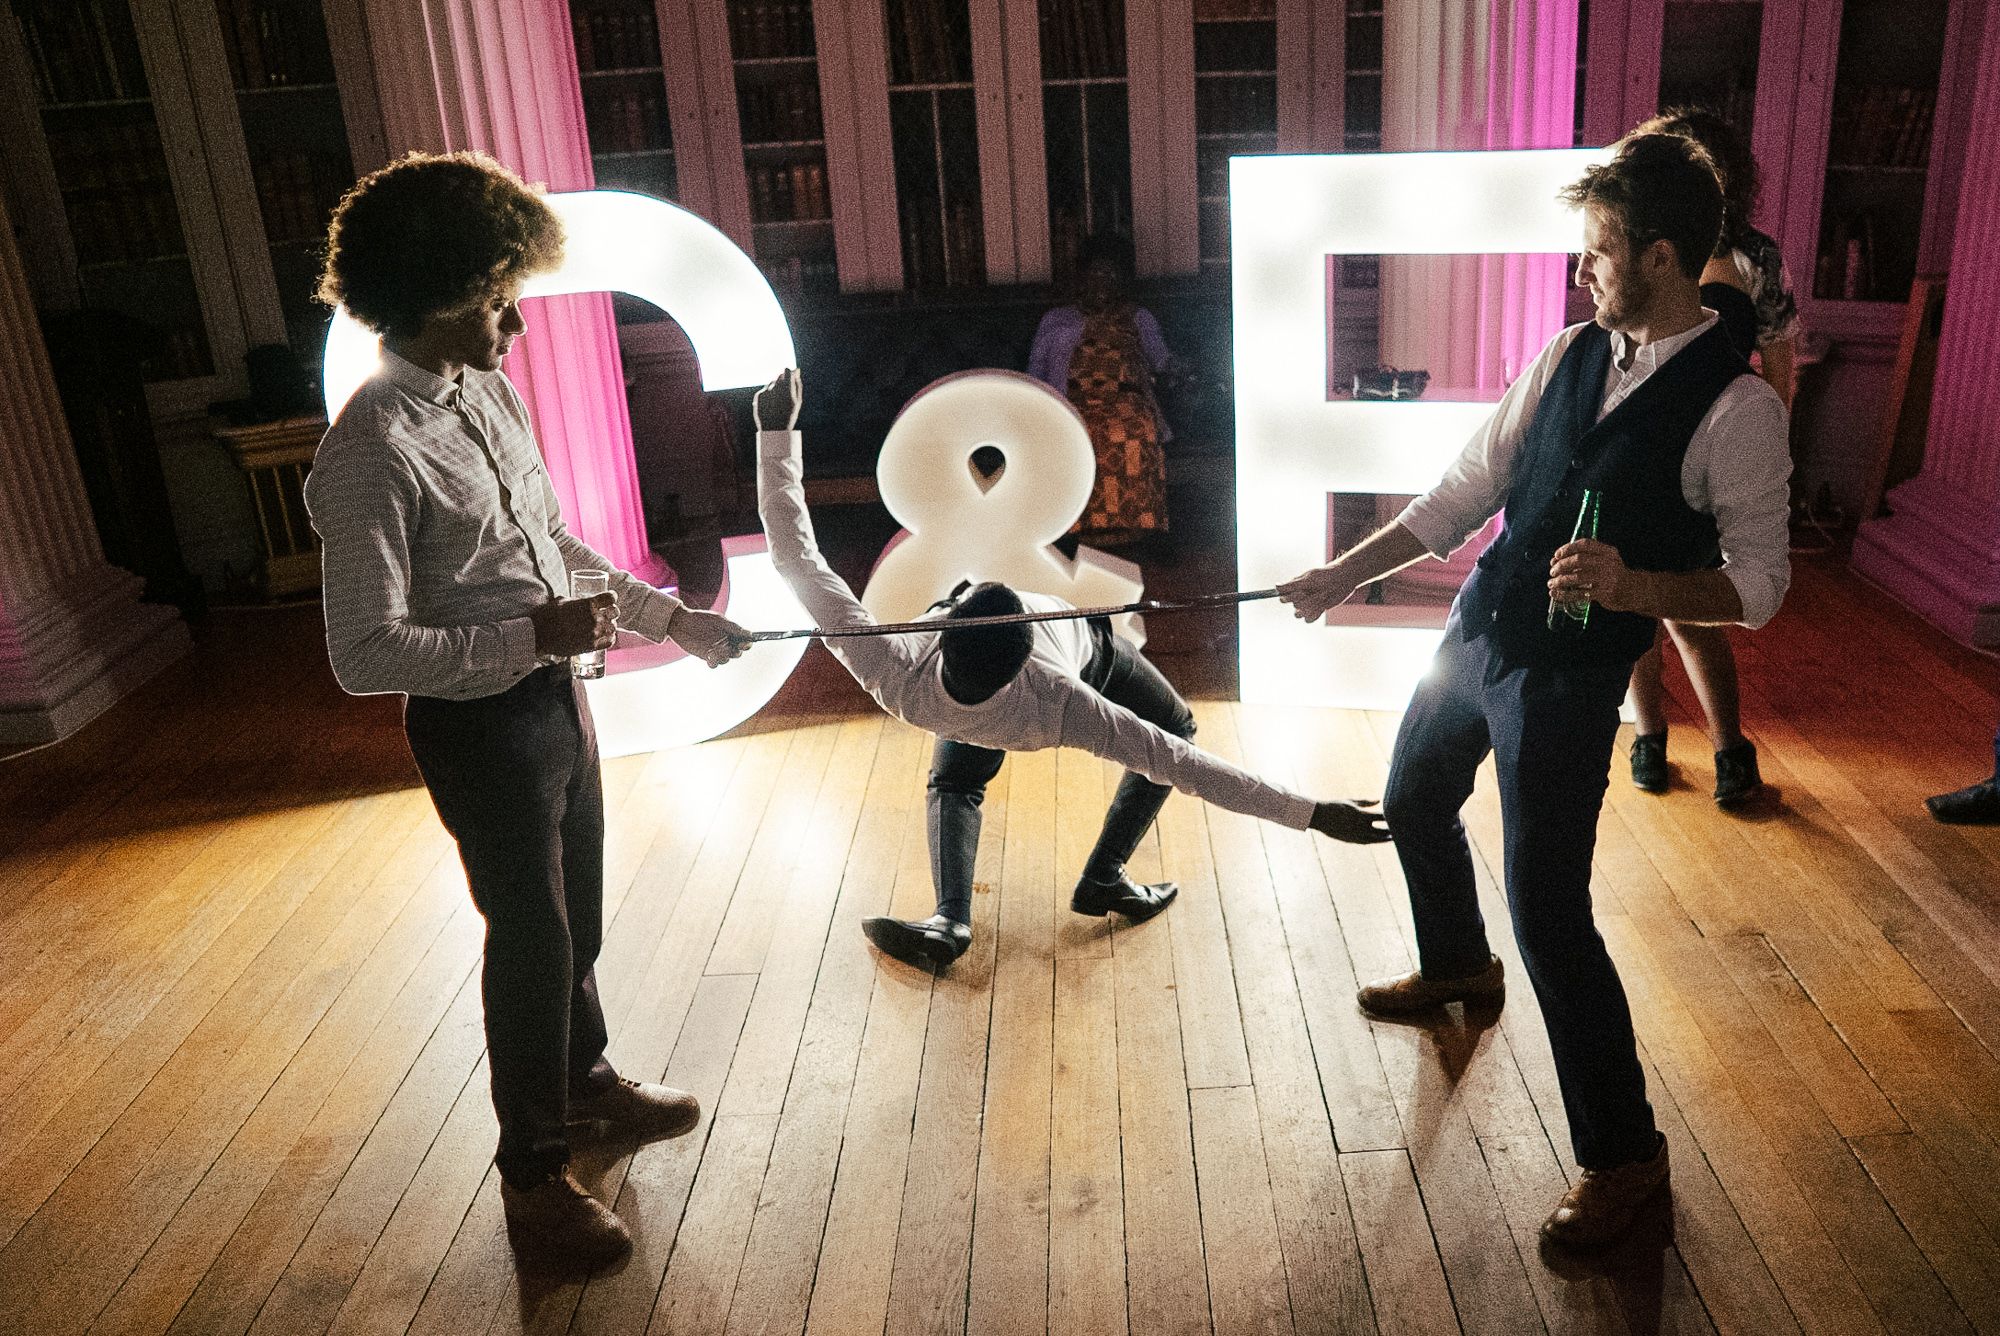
{"x":243,"y":1087}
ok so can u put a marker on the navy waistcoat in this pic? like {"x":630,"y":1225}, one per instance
{"x":1633,"y":459}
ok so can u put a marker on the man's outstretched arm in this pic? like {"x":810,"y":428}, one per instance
{"x":788,"y":529}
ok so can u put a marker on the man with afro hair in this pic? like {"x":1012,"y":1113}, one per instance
{"x":447,"y":572}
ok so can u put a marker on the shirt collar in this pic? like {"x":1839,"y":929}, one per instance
{"x":1649,"y":357}
{"x":407,"y":375}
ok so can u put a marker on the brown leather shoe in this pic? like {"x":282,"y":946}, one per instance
{"x":1603,"y":1203}
{"x":557,"y":1220}
{"x":638,"y":1111}
{"x":1412,"y":992}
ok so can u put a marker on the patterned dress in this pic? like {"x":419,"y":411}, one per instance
{"x":1111,"y":385}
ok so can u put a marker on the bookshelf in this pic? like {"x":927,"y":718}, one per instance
{"x":1086,"y":125}
{"x":295,"y":133}
{"x":934,"y":132}
{"x":1235,"y":105}
{"x":776,"y":63}
{"x":126,"y":248}
{"x":1362,"y":131}
{"x":1708,"y":57}
{"x":1878,"y":153}
{"x":624,"y":96}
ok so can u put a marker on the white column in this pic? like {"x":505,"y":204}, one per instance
{"x":1939,"y":547}
{"x":73,"y":635}
{"x":1470,"y":75}
{"x":500,"y":75}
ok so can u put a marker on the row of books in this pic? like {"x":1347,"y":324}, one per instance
{"x":764,"y":29}
{"x":81,"y":50}
{"x":791,"y":193}
{"x":943,"y":248}
{"x":1210,"y":11}
{"x":930,"y":42}
{"x":803,"y":275}
{"x":779,"y":112}
{"x":625,"y":122}
{"x":615,"y":39}
{"x":183,"y":354}
{"x":1083,"y":39}
{"x":1882,"y":126}
{"x":275,"y":43}
{"x":1236,"y":104}
{"x":117,"y":194}
{"x":298,"y":192}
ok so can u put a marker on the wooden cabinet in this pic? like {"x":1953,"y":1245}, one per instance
{"x":1855,"y":111}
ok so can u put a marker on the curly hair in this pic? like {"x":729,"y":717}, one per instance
{"x":1735,"y":164}
{"x":432,"y":233}
{"x":1658,"y":188}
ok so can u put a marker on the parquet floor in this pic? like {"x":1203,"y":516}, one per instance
{"x":242,"y":1086}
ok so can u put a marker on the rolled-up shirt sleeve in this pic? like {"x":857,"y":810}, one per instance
{"x":1743,"y":477}
{"x":1475,"y":486}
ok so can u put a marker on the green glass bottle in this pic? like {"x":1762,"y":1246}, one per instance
{"x":1574,"y":618}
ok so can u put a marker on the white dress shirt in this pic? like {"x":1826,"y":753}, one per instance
{"x":440,"y":533}
{"x":1738,"y":466}
{"x":1047,"y":704}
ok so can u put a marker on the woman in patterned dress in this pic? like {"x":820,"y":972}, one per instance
{"x":1746,"y":282}
{"x":1104,"y":352}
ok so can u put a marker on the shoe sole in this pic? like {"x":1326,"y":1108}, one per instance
{"x":608,"y":1130}
{"x":1417,"y":1009}
{"x":1727,"y":801}
{"x":892,"y":939}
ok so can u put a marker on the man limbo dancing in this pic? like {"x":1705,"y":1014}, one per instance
{"x":989,"y":690}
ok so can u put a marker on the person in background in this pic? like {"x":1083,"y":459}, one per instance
{"x":1746,"y":285}
{"x":1975,"y":804}
{"x":447,"y":568}
{"x":1105,"y":354}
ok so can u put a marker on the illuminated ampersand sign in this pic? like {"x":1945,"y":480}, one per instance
{"x":657,"y":696}
{"x":1294,"y":444}
{"x":963,"y":525}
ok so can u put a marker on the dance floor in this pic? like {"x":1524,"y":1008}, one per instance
{"x":242,"y":1084}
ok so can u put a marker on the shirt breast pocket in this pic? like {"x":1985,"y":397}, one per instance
{"x":528,"y":496}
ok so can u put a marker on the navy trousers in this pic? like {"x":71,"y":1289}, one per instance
{"x":1551,"y":730}
{"x":514,"y":778}
{"x":960,"y":773}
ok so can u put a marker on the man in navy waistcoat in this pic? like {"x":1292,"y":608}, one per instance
{"x":1649,"y":415}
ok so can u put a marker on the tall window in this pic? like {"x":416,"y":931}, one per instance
{"x":97,"y":111}
{"x":296,"y":135}
{"x":936,"y":141}
{"x":624,"y":95}
{"x":1878,"y":156}
{"x":1708,"y":57}
{"x":1086,"y":124}
{"x":1235,"y":103}
{"x":784,"y":142}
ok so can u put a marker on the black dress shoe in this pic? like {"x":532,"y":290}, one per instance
{"x":1736,"y":777}
{"x":931,"y":943}
{"x":1649,"y":762}
{"x":1123,"y":896}
{"x":1976,"y":805}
